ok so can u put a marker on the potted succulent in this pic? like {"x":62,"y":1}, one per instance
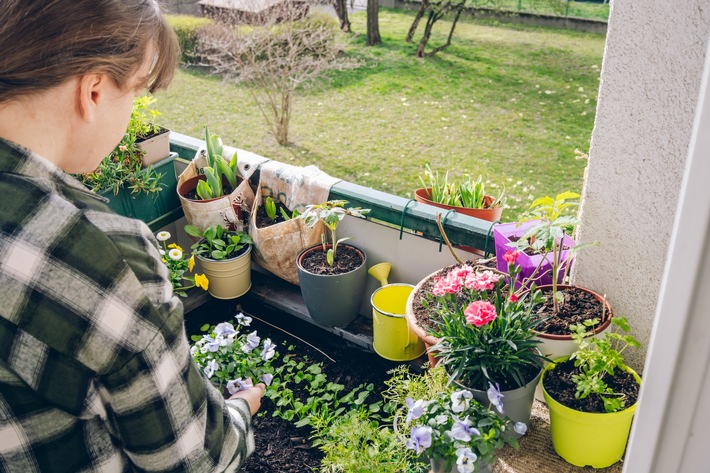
{"x":224,"y":255}
{"x":469,"y":197}
{"x":332,"y":275}
{"x":486,"y":337}
{"x":151,"y":138}
{"x":233,"y":359}
{"x":592,"y":397}
{"x":444,"y":424}
{"x":211,"y":191}
{"x":279,"y":235}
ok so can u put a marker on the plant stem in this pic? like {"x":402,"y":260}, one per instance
{"x":446,"y":239}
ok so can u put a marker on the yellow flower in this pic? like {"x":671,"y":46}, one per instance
{"x":191,"y":263}
{"x":175,"y":245}
{"x":201,"y":281}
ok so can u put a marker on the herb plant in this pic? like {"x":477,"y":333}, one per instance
{"x":331,"y":213}
{"x":179,"y":267}
{"x":142,"y":124}
{"x":218,"y":243}
{"x":468,"y":193}
{"x":598,"y":357}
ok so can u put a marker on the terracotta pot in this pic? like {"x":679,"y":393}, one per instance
{"x":420,"y":331}
{"x":423,"y":195}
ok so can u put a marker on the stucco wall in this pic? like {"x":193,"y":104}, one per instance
{"x":183,"y":7}
{"x":650,"y":82}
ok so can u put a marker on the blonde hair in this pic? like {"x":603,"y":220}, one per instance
{"x":43,"y":43}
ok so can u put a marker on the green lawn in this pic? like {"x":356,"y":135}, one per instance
{"x":596,"y":11}
{"x":509,"y":102}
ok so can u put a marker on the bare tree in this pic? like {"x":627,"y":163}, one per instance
{"x":341,"y":9}
{"x":373,"y":23}
{"x":274,"y":59}
{"x":437,"y":9}
{"x":423,"y":5}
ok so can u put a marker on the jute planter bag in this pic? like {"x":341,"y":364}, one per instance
{"x":227,"y":211}
{"x":277,"y":246}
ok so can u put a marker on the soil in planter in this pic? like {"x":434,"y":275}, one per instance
{"x":422,"y":313}
{"x":262,"y":220}
{"x":576,"y":307}
{"x":280,"y":446}
{"x":347,"y":259}
{"x":558,"y":384}
{"x":192,"y":195}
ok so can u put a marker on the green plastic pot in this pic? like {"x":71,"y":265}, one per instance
{"x":584,"y":438}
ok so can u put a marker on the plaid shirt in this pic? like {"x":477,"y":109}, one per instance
{"x":95,"y":369}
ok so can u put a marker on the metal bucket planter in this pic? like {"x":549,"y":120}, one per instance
{"x":332,"y":300}
{"x":393,"y":339}
{"x":230,"y":278}
{"x":584,"y":438}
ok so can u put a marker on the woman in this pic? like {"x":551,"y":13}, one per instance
{"x":95,"y":370}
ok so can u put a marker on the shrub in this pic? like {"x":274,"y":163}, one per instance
{"x":186,"y":27}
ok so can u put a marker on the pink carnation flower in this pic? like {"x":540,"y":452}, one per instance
{"x":483,"y":281}
{"x":510,"y":256}
{"x":480,"y":313}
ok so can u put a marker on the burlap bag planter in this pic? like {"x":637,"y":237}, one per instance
{"x":277,"y":246}
{"x":229,"y":211}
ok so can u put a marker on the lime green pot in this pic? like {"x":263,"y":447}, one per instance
{"x":588,"y":439}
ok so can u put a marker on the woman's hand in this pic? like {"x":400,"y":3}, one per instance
{"x":253,"y":396}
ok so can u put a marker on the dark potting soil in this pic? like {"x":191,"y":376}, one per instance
{"x":558,"y":384}
{"x":347,"y":259}
{"x":280,"y":446}
{"x":192,"y":195}
{"x":263,"y":220}
{"x":421,"y":312}
{"x":576,"y":307}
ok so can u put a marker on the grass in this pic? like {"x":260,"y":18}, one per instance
{"x":596,"y":11}
{"x":509,"y":102}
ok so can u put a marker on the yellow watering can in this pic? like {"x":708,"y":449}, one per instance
{"x":392,"y":338}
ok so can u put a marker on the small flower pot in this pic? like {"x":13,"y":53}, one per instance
{"x":156,"y":147}
{"x":588,"y":439}
{"x":332,"y":300}
{"x":229,"y":278}
{"x":423,"y":195}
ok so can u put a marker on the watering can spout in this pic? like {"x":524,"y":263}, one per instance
{"x":380,"y":271}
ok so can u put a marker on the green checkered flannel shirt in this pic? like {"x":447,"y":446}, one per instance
{"x":95,"y":369}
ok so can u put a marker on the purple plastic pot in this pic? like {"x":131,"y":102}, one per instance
{"x":502,"y":234}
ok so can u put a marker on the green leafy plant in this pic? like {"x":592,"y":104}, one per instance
{"x":331,"y":213}
{"x":598,"y":357}
{"x":486,"y":330}
{"x":547,"y":236}
{"x":141,"y":124}
{"x":217,"y":168}
{"x":270,"y":208}
{"x":123,"y":167}
{"x":441,"y":422}
{"x":232,"y":358}
{"x":468,"y":193}
{"x":179,"y":267}
{"x":218,"y":243}
{"x":286,"y":216}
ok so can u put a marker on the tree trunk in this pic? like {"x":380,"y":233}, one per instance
{"x":427,"y":34}
{"x":415,"y":24}
{"x":341,"y":9}
{"x":373,"y":23}
{"x":451,"y":34}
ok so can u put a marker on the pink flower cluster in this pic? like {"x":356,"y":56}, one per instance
{"x":465,"y":276}
{"x":480,"y":313}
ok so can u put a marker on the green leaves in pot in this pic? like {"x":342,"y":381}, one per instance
{"x":218,"y":243}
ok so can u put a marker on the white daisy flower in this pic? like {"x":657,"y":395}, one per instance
{"x":175,"y":254}
{"x":163,"y":236}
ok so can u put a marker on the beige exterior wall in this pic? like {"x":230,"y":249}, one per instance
{"x":650,"y":81}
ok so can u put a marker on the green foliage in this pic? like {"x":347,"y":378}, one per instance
{"x":141,"y":124}
{"x":356,"y":444}
{"x":468,"y":193}
{"x":186,"y":28}
{"x":123,"y":167}
{"x":598,"y":357}
{"x":217,"y":243}
{"x":217,"y":168}
{"x":270,"y":208}
{"x":331,"y":213}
